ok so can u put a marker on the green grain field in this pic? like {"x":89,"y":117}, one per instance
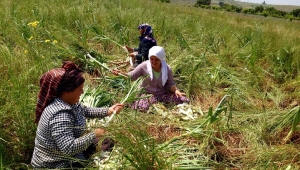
{"x":240,"y":72}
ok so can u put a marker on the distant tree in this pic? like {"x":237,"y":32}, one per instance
{"x":289,"y":17}
{"x":264,"y":13}
{"x":271,"y":10}
{"x":259,"y":9}
{"x":203,"y":2}
{"x":296,"y":12}
{"x":167,"y":1}
{"x":221,"y":3}
{"x":281,"y":14}
{"x":275,"y":12}
{"x":239,"y":9}
{"x":245,"y":11}
{"x":232,"y":8}
{"x":251,"y":11}
{"x":264,"y":2}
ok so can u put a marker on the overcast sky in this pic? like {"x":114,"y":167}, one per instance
{"x":275,"y":2}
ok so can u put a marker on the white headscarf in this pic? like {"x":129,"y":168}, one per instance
{"x":159,"y":52}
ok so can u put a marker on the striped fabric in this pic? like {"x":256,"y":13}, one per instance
{"x":49,"y":83}
{"x":61,"y":135}
{"x":56,"y":81}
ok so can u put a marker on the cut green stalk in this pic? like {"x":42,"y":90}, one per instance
{"x":107,"y":38}
{"x":292,"y":117}
{"x":131,"y":95}
{"x":123,"y":47}
{"x":96,"y":97}
{"x":213,"y":116}
{"x":134,"y":89}
{"x":110,"y":118}
{"x":4,"y":140}
{"x":102,"y":65}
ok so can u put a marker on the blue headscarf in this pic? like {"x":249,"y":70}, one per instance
{"x":147,"y":28}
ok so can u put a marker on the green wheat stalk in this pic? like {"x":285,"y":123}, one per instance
{"x":292,"y":117}
{"x":102,"y":65}
{"x":131,"y":95}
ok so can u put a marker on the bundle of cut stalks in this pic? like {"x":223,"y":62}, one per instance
{"x":94,"y":98}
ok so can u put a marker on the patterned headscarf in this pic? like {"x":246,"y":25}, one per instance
{"x":147,"y":30}
{"x":54,"y":82}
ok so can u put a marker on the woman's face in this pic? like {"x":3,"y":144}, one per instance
{"x":155,"y":62}
{"x":141,"y":31}
{"x":74,"y":96}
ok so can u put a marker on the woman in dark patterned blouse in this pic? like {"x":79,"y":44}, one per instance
{"x":61,"y":140}
{"x":147,"y":41}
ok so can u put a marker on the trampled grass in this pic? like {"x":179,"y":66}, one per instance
{"x":213,"y":54}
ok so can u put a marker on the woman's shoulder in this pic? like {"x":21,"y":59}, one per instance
{"x":58,"y":105}
{"x":169,"y":67}
{"x":148,"y":40}
{"x":55,"y":109}
{"x":141,"y":68}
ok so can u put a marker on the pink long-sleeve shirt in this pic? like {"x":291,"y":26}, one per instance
{"x":153,"y":86}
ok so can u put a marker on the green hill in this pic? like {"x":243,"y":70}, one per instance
{"x":240,"y":72}
{"x":287,"y":8}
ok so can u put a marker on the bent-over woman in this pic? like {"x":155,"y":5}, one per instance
{"x":61,"y":139}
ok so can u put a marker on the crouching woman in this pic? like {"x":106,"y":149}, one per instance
{"x":159,"y":81}
{"x":61,"y":139}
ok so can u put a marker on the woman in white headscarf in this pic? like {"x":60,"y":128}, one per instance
{"x":159,"y":81}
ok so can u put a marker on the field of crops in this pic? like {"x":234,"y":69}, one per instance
{"x":240,"y":72}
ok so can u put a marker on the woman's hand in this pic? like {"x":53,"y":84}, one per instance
{"x":119,"y":72}
{"x":129,"y":49}
{"x":116,"y":72}
{"x":115,"y":108}
{"x":132,"y":55}
{"x":99,"y":132}
{"x":178,"y":93}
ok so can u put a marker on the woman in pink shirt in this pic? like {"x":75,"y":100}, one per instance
{"x":159,"y":81}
